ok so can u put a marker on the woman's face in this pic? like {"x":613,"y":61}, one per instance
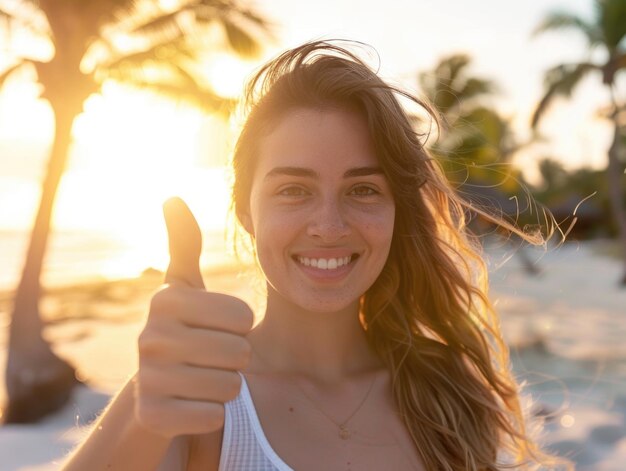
{"x":321,"y":211}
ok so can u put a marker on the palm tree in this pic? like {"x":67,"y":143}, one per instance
{"x":477,"y":142}
{"x":142,"y":43}
{"x":605,"y":31}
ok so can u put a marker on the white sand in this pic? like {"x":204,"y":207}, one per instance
{"x":567,"y":327}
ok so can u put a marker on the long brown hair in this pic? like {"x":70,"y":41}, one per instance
{"x":427,"y":316}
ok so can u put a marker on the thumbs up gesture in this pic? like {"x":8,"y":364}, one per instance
{"x":193,"y":343}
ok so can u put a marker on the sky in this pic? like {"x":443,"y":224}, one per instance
{"x":412,"y":35}
{"x":152,"y":148}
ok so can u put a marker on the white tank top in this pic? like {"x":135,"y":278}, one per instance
{"x":244,"y":445}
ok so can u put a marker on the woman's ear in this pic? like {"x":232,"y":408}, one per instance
{"x":246,"y":222}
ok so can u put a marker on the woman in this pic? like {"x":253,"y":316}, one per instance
{"x":378,"y":348}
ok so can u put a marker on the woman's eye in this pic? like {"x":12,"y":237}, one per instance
{"x":292,"y":191}
{"x":363,"y":191}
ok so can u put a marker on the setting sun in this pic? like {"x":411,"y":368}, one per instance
{"x":131,"y":152}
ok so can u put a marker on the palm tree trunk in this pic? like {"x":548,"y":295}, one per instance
{"x":38,"y":381}
{"x":616,"y":196}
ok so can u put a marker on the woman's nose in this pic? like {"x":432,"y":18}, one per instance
{"x":328,"y":223}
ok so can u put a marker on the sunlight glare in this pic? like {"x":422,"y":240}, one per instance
{"x":134,"y":131}
{"x":22,"y":114}
{"x":567,"y":421}
{"x":131,"y":152}
{"x":25,"y":42}
{"x":228,"y":74}
{"x":115,"y":207}
{"x":169,"y":5}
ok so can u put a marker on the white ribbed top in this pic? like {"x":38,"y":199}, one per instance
{"x":244,"y":445}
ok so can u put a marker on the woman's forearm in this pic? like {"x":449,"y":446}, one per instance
{"x":117,"y":441}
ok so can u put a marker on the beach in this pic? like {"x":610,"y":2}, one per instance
{"x":566,"y":327}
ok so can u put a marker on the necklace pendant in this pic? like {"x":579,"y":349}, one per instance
{"x":344,"y":433}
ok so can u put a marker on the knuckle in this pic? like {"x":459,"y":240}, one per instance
{"x":244,"y":317}
{"x":159,"y":299}
{"x":232,"y":386}
{"x":149,"y":345}
{"x":232,"y":313}
{"x":167,"y":299}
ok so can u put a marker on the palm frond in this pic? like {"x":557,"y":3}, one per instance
{"x":24,"y":14}
{"x":563,"y":20}
{"x":257,"y":20}
{"x":450,"y":87}
{"x":162,"y":28}
{"x":152,"y":19}
{"x":9,"y":70}
{"x":147,"y":72}
{"x":137,"y":26}
{"x":611,"y":17}
{"x":240,"y":40}
{"x":427,"y":82}
{"x":171,"y":76}
{"x":130,"y":14}
{"x":203,"y":98}
{"x":241,"y":27}
{"x":171,"y":52}
{"x":561,"y":80}
{"x":158,"y":23}
{"x":207,"y":12}
{"x":167,"y":60}
{"x":451,"y":67}
{"x":474,"y":87}
{"x":140,"y":27}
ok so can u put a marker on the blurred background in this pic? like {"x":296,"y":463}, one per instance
{"x":107,"y":108}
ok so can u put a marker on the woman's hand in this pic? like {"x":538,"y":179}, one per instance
{"x":193,"y":343}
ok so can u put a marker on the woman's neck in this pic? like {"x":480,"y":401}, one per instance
{"x":323,"y":346}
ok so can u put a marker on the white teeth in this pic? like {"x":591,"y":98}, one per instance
{"x":325,"y":263}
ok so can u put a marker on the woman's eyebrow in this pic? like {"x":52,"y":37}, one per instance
{"x":362,"y":172}
{"x":307,"y":172}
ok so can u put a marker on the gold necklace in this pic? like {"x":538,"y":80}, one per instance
{"x":344,"y":432}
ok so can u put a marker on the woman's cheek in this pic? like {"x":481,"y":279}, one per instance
{"x":377,"y":223}
{"x":281,"y":219}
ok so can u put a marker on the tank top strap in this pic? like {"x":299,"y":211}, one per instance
{"x":244,"y":444}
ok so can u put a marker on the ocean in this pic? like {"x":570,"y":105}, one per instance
{"x":85,"y":256}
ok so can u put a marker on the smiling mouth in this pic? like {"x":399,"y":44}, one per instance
{"x":326,"y":263}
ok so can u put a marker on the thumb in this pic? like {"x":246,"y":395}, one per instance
{"x":185,"y":242}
